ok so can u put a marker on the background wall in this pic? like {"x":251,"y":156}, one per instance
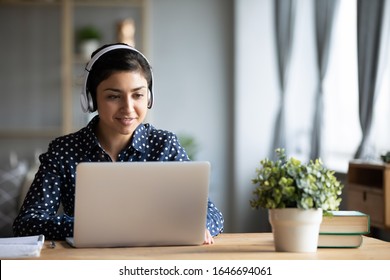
{"x":256,"y":97}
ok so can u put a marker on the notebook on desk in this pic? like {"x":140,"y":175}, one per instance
{"x":140,"y":204}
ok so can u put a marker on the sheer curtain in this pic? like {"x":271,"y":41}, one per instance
{"x":284,"y":26}
{"x":380,"y":132}
{"x":369,"y":27}
{"x":325,"y":12}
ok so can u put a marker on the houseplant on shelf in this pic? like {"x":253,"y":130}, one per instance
{"x":88,"y":39}
{"x":386,"y":157}
{"x":293,"y":190}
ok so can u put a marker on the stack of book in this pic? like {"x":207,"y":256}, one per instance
{"x":343,"y":229}
{"x":20,"y":247}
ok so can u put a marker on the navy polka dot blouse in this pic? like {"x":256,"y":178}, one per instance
{"x":54,"y":182}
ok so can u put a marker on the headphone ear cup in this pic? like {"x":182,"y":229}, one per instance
{"x":90,"y":103}
{"x":150,"y":99}
{"x":84,"y":102}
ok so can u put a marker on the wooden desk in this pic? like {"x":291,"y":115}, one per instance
{"x":233,"y":246}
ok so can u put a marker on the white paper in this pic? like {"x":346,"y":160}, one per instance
{"x":19,"y":247}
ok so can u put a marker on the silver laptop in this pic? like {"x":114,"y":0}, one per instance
{"x":140,"y":204}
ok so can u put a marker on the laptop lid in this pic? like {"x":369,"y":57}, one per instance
{"x":140,"y":203}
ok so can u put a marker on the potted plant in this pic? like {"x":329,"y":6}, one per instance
{"x":386,"y":157}
{"x":189,"y":144}
{"x":88,"y":38}
{"x":297,"y":195}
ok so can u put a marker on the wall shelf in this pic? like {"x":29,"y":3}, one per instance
{"x":44,"y":103}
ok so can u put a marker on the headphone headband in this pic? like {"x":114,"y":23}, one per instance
{"x":86,"y":98}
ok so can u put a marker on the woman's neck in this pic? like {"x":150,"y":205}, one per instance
{"x":112,"y":144}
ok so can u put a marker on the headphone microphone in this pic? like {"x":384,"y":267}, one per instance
{"x":86,"y":100}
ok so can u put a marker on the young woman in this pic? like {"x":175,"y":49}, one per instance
{"x":119,"y":86}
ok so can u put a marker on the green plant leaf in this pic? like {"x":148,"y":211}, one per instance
{"x":287,"y":182}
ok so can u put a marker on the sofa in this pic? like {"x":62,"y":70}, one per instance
{"x":15,"y":179}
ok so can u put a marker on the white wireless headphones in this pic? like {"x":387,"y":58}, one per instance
{"x":86,"y":98}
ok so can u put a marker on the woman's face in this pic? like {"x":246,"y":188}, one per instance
{"x":122,"y":103}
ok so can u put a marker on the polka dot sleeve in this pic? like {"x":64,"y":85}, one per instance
{"x":38,"y":214}
{"x":214,"y":222}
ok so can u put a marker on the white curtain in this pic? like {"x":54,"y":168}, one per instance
{"x":372,"y":47}
{"x":325,"y":12}
{"x":284,"y":29}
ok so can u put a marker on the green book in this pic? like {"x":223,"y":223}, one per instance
{"x":345,"y":222}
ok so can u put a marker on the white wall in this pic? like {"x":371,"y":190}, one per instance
{"x":256,"y":97}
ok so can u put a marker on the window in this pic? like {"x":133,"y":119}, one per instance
{"x":342,"y":133}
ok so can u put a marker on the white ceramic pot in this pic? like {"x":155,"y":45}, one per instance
{"x":294,"y":229}
{"x":87,"y":47}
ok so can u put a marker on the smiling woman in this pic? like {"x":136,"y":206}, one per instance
{"x":119,"y":86}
